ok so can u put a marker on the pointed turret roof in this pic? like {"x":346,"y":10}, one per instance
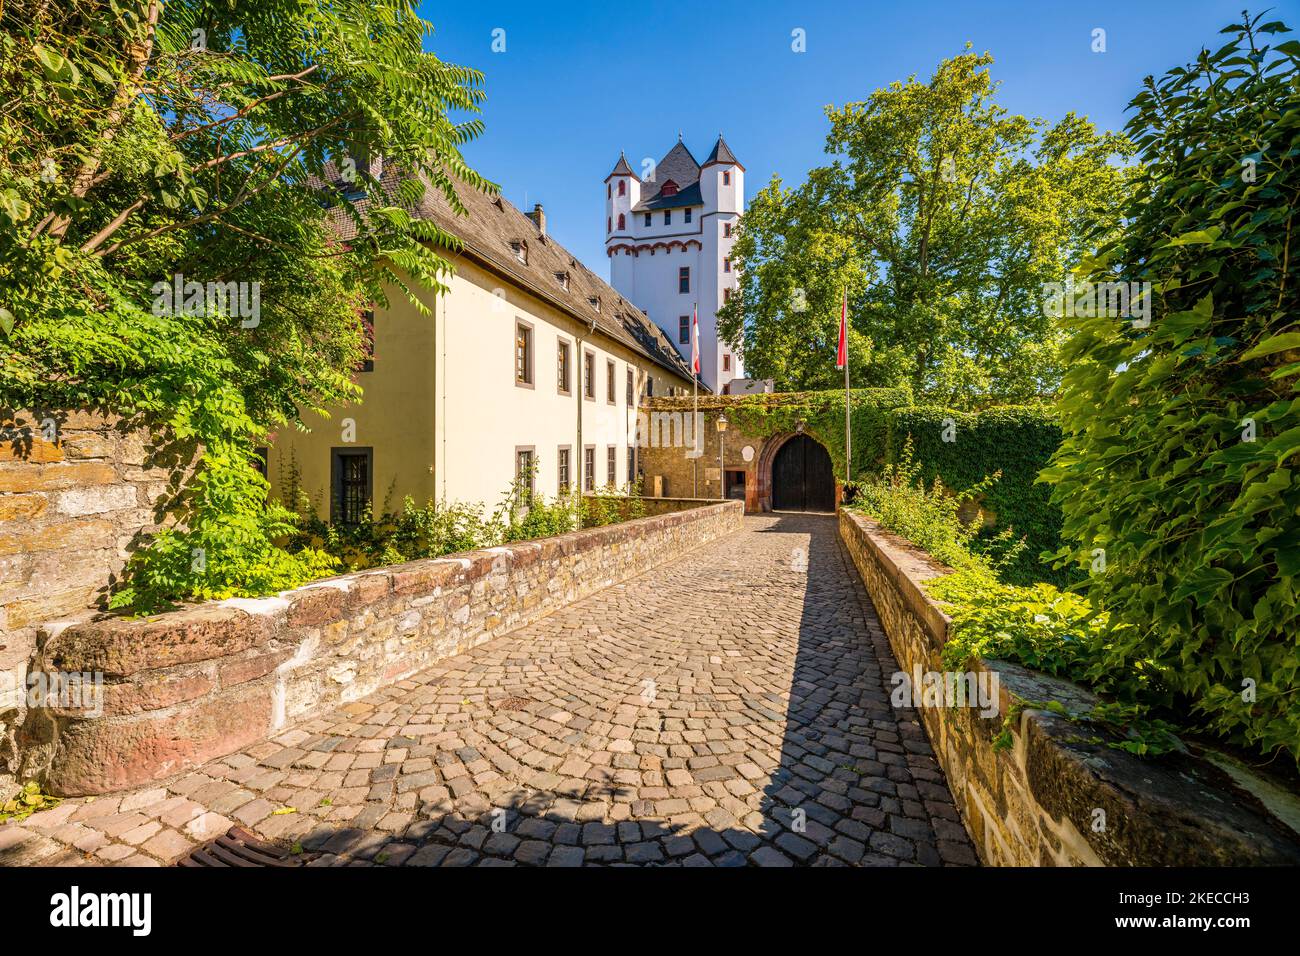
{"x":622,"y":168}
{"x":722,"y":154}
{"x":678,"y":165}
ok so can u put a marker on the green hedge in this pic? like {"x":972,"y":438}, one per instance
{"x":1017,"y":440}
{"x":822,"y":415}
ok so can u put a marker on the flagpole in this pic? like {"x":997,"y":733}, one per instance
{"x":848,"y":431}
{"x":695,"y":430}
{"x":695,"y":388}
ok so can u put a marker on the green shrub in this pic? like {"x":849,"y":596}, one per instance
{"x":1182,"y":438}
{"x":410,"y":534}
{"x":930,"y":516}
{"x":1015,"y":441}
{"x":436,"y":529}
{"x":1038,"y":626}
{"x":543,"y":519}
{"x":1058,"y":633}
{"x":611,"y":504}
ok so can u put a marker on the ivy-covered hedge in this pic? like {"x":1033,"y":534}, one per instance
{"x":822,"y":415}
{"x":1019,"y":441}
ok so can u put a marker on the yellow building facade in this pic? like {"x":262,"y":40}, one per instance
{"x":527,"y":357}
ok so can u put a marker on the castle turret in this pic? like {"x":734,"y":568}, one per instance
{"x":722,"y":180}
{"x":622,"y":192}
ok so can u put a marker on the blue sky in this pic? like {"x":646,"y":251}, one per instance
{"x":578,"y":83}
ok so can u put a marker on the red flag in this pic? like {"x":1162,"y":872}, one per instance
{"x":842,"y":356}
{"x":695,"y":339}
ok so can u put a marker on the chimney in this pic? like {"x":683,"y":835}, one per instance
{"x":539,"y":218}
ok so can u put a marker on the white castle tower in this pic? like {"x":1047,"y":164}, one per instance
{"x":669,"y":234}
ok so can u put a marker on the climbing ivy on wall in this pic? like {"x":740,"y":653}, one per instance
{"x":1019,"y":441}
{"x":822,"y":417}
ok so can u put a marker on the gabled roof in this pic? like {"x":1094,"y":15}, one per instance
{"x":487,"y":232}
{"x":678,"y":165}
{"x":621,"y":168}
{"x":722,"y":154}
{"x":690,"y":196}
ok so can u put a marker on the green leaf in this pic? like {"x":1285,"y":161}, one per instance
{"x":1197,"y":237}
{"x":1276,"y":343}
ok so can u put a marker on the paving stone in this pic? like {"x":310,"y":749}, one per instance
{"x":769,"y":856}
{"x":461,"y":856}
{"x":429,"y":855}
{"x":566,"y":856}
{"x":207,"y":826}
{"x":799,"y":848}
{"x":532,"y":852}
{"x":643,"y":852}
{"x":141,"y":833}
{"x":167,"y":845}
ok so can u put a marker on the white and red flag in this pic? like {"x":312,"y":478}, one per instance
{"x":842,"y":356}
{"x":695,"y":340}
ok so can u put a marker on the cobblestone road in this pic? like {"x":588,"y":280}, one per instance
{"x":729,"y":709}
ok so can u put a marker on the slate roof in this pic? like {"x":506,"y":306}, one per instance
{"x":678,"y":165}
{"x":486,"y":234}
{"x":722,"y":154}
{"x":621,"y":168}
{"x":690,"y":196}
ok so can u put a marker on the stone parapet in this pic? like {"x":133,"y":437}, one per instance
{"x":1055,"y":797}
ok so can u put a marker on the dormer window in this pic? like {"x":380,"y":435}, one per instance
{"x":563,"y":279}
{"x":594,"y":301}
{"x":670,"y":189}
{"x":520,"y":249}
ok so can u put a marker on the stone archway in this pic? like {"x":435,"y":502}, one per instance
{"x":767,"y":458}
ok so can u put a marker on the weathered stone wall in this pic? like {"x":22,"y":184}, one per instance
{"x":1052,"y":798}
{"x":665,"y":453}
{"x":76,"y":488}
{"x":185,"y":687}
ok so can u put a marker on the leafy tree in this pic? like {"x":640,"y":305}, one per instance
{"x":1177,"y":476}
{"x":141,"y":142}
{"x":943,"y":216}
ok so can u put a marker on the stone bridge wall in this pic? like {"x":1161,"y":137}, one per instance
{"x":191,"y":685}
{"x":1053,"y":799}
{"x":76,"y":488}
